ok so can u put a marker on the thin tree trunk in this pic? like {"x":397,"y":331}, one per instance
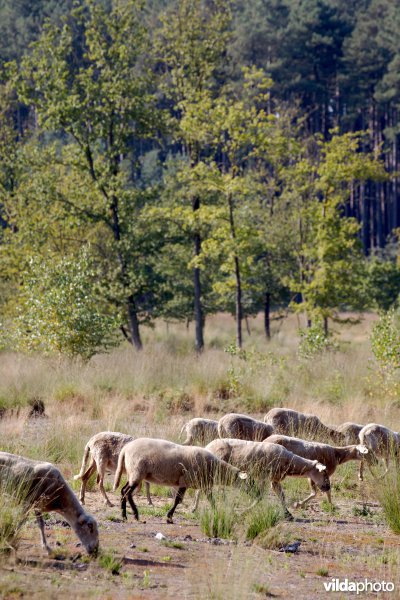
{"x":198,"y":308}
{"x":267,"y":315}
{"x":239,"y":307}
{"x":326,"y":330}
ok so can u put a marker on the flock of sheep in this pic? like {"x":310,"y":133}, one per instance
{"x":240,"y":451}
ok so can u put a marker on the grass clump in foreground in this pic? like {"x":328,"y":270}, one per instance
{"x":262,"y":518}
{"x":13,"y":512}
{"x":389,"y":497}
{"x":108,"y":561}
{"x":219,"y":520}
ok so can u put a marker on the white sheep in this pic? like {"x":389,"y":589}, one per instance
{"x":167,"y":463}
{"x":243,"y":427}
{"x":199,"y":430}
{"x":330,"y":456}
{"x":350,"y":431}
{"x":104,"y":448}
{"x":381,"y":441}
{"x":44,"y":489}
{"x":293,"y":423}
{"x":265,"y":461}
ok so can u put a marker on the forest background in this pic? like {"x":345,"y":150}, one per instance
{"x":177,"y":159}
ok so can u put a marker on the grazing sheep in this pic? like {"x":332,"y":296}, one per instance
{"x":242,"y":427}
{"x":166,"y":463}
{"x":290,"y":422}
{"x":381,"y":441}
{"x":45,"y":489}
{"x":104,"y":448}
{"x":330,"y":456}
{"x":264,"y":461}
{"x":350,"y":431}
{"x":200,"y":430}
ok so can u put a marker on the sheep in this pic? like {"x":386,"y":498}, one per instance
{"x":290,"y":422}
{"x":45,"y":489}
{"x":200,"y":430}
{"x":381,"y":441}
{"x":242,"y":427}
{"x":330,"y":456}
{"x":104,"y":448}
{"x":167,"y":463}
{"x":350,"y":431}
{"x":266,"y":460}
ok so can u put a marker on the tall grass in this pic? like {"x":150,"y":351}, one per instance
{"x":13,"y":512}
{"x":389,"y":497}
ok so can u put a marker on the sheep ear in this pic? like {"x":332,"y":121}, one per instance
{"x":362,"y":449}
{"x":320,"y":467}
{"x":242,"y":475}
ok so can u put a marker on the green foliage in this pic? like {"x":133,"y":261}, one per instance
{"x":314,"y":341}
{"x":59,"y":311}
{"x":383,"y":284}
{"x":385,"y":340}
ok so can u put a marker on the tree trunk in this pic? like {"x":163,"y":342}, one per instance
{"x":239,"y":307}
{"x":239,"y":310}
{"x":134,"y":323}
{"x":267,"y":315}
{"x":198,"y":308}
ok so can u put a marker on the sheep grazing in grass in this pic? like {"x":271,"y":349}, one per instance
{"x":43,"y":489}
{"x":200,"y":431}
{"x":382,"y":443}
{"x":350,"y":431}
{"x":290,"y":422}
{"x":330,"y":456}
{"x":242,"y":427}
{"x":104,"y":448}
{"x":266,"y":461}
{"x":166,"y":463}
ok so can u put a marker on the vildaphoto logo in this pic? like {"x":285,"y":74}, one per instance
{"x":359,"y":587}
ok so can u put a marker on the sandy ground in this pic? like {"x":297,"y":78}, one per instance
{"x":189,"y":565}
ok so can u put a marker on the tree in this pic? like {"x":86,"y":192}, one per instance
{"x":192,"y":43}
{"x":328,"y":250}
{"x":87,"y":80}
{"x":59,"y":311}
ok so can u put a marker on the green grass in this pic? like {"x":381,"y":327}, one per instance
{"x":263,"y":517}
{"x":109,"y":561}
{"x":389,"y":497}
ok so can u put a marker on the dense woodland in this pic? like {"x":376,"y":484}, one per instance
{"x":174,"y":159}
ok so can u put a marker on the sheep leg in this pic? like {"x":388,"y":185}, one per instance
{"x":277,"y":488}
{"x":126,"y":493}
{"x":196,"y":501}
{"x":131,"y":502}
{"x":101,"y":468}
{"x":85,"y":478}
{"x":149,"y":500}
{"x":361,"y":471}
{"x":312,"y":495}
{"x":178,"y":499}
{"x":40,"y":522}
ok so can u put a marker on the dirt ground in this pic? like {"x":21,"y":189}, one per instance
{"x":189,"y":565}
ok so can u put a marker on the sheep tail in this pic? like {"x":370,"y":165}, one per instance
{"x":120,"y":469}
{"x":84,"y":461}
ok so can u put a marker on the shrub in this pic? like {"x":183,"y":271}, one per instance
{"x":385,"y":341}
{"x":314,"y":341}
{"x":13,"y":513}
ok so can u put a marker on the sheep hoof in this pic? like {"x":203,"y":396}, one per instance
{"x":289,"y":516}
{"x":169,"y":520}
{"x":108,"y":503}
{"x":296,"y":505}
